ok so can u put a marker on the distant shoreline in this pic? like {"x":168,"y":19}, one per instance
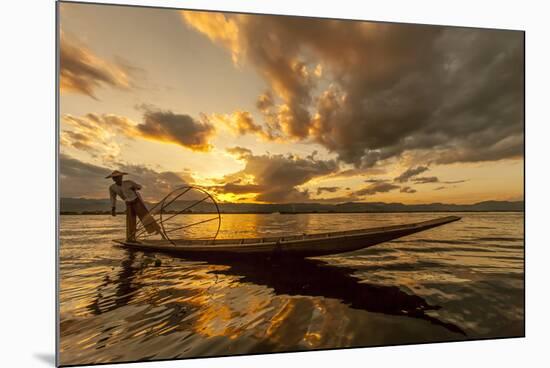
{"x":296,"y":213}
{"x":102,"y":206}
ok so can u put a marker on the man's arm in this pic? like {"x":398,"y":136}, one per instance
{"x":112,"y":195}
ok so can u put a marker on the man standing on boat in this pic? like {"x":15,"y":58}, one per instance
{"x":127,"y":190}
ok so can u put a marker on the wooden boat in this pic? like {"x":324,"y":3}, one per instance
{"x":304,"y":245}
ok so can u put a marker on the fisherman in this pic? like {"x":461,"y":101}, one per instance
{"x":127,"y":190}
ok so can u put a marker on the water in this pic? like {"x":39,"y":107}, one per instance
{"x":460,"y":281}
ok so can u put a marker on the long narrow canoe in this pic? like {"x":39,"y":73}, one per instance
{"x":305,"y":245}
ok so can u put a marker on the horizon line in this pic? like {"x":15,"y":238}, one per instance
{"x":330,"y":204}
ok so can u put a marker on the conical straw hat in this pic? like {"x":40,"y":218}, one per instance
{"x":115,"y":173}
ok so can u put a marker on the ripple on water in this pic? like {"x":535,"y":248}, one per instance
{"x":460,"y":281}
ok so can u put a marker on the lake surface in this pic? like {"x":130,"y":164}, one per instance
{"x":460,"y":281}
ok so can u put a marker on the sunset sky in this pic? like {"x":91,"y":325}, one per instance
{"x":285,"y":109}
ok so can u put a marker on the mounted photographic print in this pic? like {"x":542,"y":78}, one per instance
{"x":235,"y":184}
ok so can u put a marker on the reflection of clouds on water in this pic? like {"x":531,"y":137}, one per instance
{"x":116,"y":305}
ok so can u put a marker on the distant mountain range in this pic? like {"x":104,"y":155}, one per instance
{"x":100,"y":206}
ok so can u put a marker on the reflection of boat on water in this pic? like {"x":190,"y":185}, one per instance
{"x":295,"y":246}
{"x":290,"y":277}
{"x":308,"y":277}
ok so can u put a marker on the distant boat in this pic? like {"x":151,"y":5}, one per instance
{"x":304,"y":245}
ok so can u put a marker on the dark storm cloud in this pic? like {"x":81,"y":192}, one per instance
{"x":409,"y":173}
{"x":82,"y":71}
{"x":181,"y":129}
{"x":394,"y":88}
{"x":426,"y":180}
{"x":80,"y":179}
{"x":322,"y":190}
{"x":376,"y":188}
{"x":276,"y":178}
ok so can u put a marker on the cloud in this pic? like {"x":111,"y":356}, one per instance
{"x":376,"y":180}
{"x":407,"y":190}
{"x":95,"y":134}
{"x":364,"y":171}
{"x":81,"y":71}
{"x":156,"y":184}
{"x":290,"y":78}
{"x":236,"y":188}
{"x":82,"y":180}
{"x":409,"y":173}
{"x":376,"y":188}
{"x":426,"y":180}
{"x":450,"y":182}
{"x":265,"y":101}
{"x":218,"y":27}
{"x":454,"y":181}
{"x":392,"y":88}
{"x":275,"y":178}
{"x":241,"y":123}
{"x":322,"y":190}
{"x":495,"y":143}
{"x":180,"y":129}
{"x":79,"y":179}
{"x":239,"y":152}
{"x":77,"y":140}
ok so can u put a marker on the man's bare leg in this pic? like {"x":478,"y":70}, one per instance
{"x":130,"y":222}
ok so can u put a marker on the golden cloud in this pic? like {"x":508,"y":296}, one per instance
{"x":217,"y":27}
{"x":96,"y":133}
{"x":241,"y":123}
{"x":180,"y":129}
{"x":274,"y":178}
